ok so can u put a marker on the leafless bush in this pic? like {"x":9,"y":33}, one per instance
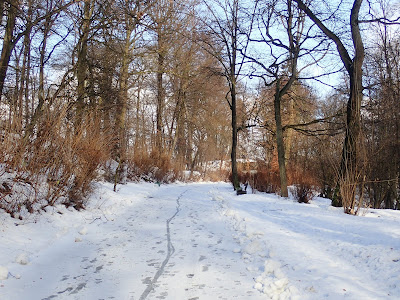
{"x":304,"y":184}
{"x":263,"y":179}
{"x":303,"y":192}
{"x":152,"y":167}
{"x":54,"y":165}
{"x":218,"y":175}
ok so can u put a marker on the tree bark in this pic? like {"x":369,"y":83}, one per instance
{"x":1,"y":11}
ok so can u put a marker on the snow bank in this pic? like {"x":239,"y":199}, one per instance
{"x":314,"y":251}
{"x":281,"y":249}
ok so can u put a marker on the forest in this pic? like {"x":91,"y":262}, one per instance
{"x":289,"y":96}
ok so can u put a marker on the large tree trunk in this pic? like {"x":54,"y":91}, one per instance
{"x":279,"y":141}
{"x":350,"y":171}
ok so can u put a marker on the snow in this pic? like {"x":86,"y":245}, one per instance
{"x":3,"y":273}
{"x":22,"y":259}
{"x":199,"y":241}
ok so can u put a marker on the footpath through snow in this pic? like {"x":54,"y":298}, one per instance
{"x":199,"y":241}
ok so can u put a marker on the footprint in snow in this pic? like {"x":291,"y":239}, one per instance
{"x":78,"y":288}
{"x":98,"y":269}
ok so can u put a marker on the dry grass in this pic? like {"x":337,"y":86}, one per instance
{"x":55,"y":165}
{"x":152,"y":167}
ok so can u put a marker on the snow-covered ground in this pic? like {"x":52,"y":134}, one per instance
{"x":199,"y":241}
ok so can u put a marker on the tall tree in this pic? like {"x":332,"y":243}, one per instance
{"x":225,"y":45}
{"x":163,"y":15}
{"x":349,"y":171}
{"x":12,"y":36}
{"x":279,"y":66}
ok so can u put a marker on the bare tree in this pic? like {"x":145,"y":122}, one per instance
{"x":279,"y":66}
{"x":349,"y":172}
{"x":226,"y":46}
{"x":11,"y":37}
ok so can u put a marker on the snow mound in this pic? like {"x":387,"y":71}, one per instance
{"x":83,"y":231}
{"x":253,"y":248}
{"x":22,"y":259}
{"x":3,"y":273}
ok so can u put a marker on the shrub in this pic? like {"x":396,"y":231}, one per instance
{"x":303,"y":193}
{"x":303,"y":184}
{"x":54,"y":165}
{"x":263,"y":178}
{"x":151,"y":167}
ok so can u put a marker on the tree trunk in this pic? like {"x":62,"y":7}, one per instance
{"x":1,"y":11}
{"x":26,"y":66}
{"x":232,"y":79}
{"x":289,"y":131}
{"x":120,"y":129}
{"x":179,"y":142}
{"x":279,"y":141}
{"x":160,"y":95}
{"x":82,"y":67}
{"x":350,"y":171}
{"x":41,"y":94}
{"x":8,"y":43}
{"x":138,"y":137}
{"x":235,"y":176}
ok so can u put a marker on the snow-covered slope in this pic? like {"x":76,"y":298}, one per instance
{"x":199,"y":241}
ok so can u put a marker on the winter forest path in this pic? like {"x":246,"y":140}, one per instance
{"x":171,"y":244}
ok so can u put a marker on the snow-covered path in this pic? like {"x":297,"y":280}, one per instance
{"x":199,"y":241}
{"x":170,"y":243}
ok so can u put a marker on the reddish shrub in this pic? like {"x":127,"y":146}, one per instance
{"x":151,"y":167}
{"x":303,"y":193}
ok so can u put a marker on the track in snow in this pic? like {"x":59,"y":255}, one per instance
{"x":168,"y":242}
{"x":170,"y":251}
